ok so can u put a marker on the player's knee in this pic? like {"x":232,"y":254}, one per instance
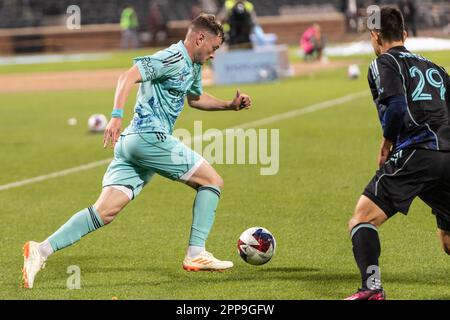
{"x":107,"y":214}
{"x":357,"y":218}
{"x":354,"y":221}
{"x":216,"y":180}
{"x":444,"y":239}
{"x":446,"y":248}
{"x":219,"y":182}
{"x":367,"y":214}
{"x":360,"y":216}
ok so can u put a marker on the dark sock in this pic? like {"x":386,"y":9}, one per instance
{"x":366,"y":249}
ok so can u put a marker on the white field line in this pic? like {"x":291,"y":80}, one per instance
{"x":55,"y":174}
{"x":257,"y":123}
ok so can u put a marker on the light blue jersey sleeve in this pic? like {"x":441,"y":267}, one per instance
{"x":196,"y":88}
{"x":164,"y":63}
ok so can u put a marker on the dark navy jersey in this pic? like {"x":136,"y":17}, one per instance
{"x":426,"y":88}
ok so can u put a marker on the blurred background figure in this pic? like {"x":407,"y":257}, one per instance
{"x":447,"y":29}
{"x":196,"y":9}
{"x":312,"y":43}
{"x":241,"y":26}
{"x":129,"y":24}
{"x":260,"y":38}
{"x":205,"y":6}
{"x":209,"y":6}
{"x":350,"y":10}
{"x":156,"y":23}
{"x":238,"y":18}
{"x":408,"y":8}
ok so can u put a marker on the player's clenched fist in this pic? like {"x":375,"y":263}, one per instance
{"x":112,"y":132}
{"x":241,"y":101}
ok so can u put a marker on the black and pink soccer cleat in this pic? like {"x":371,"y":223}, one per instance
{"x":366,"y":294}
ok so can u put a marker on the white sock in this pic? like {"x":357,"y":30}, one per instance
{"x":194,"y":250}
{"x":45,"y":249}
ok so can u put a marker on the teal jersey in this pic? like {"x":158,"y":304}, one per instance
{"x":168,"y":76}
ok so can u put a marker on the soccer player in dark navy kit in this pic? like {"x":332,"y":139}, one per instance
{"x":412,"y":96}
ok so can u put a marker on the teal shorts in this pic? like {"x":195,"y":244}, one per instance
{"x":138,"y":156}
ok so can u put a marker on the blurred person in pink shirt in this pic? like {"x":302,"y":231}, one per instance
{"x":312,"y":43}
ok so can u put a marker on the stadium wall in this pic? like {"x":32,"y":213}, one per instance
{"x":107,"y":36}
{"x":59,"y":38}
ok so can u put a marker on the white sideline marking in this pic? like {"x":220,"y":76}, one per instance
{"x":302,"y":111}
{"x":257,"y":123}
{"x":55,"y":174}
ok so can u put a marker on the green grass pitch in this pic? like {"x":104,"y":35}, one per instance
{"x":326,"y":159}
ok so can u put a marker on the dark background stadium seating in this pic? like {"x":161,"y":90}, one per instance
{"x":27,"y":13}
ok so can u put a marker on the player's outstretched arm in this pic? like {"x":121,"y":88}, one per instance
{"x":208,"y":102}
{"x":124,"y":85}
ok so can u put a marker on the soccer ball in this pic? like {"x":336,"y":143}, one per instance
{"x":72,"y":121}
{"x":353,"y":71}
{"x":256,"y":245}
{"x":97,"y":123}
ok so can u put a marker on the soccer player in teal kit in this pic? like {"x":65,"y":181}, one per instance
{"x":147,"y":147}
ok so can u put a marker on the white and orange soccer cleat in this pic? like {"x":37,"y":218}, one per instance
{"x":205,"y":261}
{"x":33,"y":262}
